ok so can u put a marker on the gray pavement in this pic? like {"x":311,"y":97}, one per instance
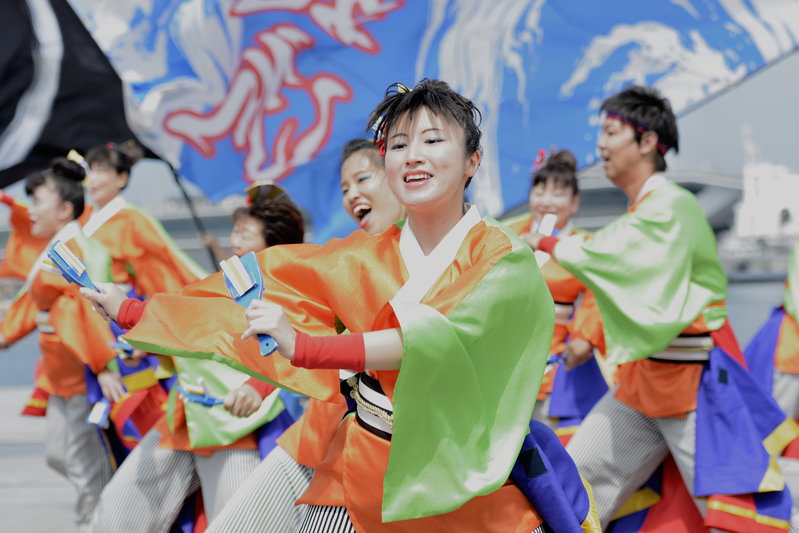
{"x":33,"y":498}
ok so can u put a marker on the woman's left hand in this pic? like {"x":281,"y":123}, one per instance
{"x":269,"y":319}
{"x":578,"y":352}
{"x":243,"y":401}
{"x":111,"y":385}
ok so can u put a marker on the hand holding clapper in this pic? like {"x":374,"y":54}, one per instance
{"x":245,"y":282}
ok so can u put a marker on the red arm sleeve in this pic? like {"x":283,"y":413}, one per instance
{"x":547,"y":244}
{"x":130,"y":313}
{"x":263,"y":388}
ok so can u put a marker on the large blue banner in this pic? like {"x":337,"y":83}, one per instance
{"x":235,"y":91}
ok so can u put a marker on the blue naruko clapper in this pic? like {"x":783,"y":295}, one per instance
{"x":253,"y":268}
{"x":205,"y":399}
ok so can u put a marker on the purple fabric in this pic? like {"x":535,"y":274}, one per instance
{"x":575,"y":392}
{"x":733,"y":416}
{"x":548,"y":477}
{"x":267,"y":434}
{"x":759,"y":354}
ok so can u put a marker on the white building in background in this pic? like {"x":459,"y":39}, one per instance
{"x":770,"y":204}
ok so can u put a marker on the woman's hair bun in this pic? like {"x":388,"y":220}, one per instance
{"x":61,"y":166}
{"x":134,"y":152}
{"x":563,"y":158}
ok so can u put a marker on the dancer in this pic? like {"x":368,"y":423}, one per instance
{"x":192,"y":445}
{"x":683,"y":385}
{"x":452,"y":381}
{"x":773,"y":359}
{"x":22,"y":250}
{"x":71,"y":335}
{"x":144,"y":255}
{"x":564,"y":397}
{"x":265,"y":501}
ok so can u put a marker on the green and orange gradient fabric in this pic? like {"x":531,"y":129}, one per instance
{"x":475,"y":349}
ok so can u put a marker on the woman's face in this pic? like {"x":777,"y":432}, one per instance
{"x":551,"y":197}
{"x":104,"y":184}
{"x":49,"y":213}
{"x":247,"y":236}
{"x":367,"y":197}
{"x":425,"y":162}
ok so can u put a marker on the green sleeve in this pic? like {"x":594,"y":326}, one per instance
{"x":791,"y":299}
{"x":653,"y":271}
{"x":466,"y":389}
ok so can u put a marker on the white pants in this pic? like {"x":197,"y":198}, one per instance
{"x":75,"y":450}
{"x":616,"y":449}
{"x":322,"y":519}
{"x":148,"y":490}
{"x":265,"y":502}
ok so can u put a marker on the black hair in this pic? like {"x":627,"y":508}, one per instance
{"x":120,"y":158}
{"x":67,"y":179}
{"x":440,"y":99}
{"x":281,"y":222}
{"x":561,"y":167}
{"x":356,"y":145}
{"x":647,"y":110}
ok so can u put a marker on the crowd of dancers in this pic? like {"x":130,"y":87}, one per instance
{"x":435,"y":371}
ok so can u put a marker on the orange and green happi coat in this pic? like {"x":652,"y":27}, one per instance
{"x":475,"y":349}
{"x":74,"y":335}
{"x":142,"y":252}
{"x":22,"y":250}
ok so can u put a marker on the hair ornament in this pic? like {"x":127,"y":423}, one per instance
{"x":662,"y":148}
{"x":263,"y":190}
{"x":540,"y":158}
{"x":75,"y":157}
{"x":379,"y":130}
{"x":114,"y":146}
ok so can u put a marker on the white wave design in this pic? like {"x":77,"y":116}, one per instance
{"x":210,"y":41}
{"x":688,"y":74}
{"x":476,"y":49}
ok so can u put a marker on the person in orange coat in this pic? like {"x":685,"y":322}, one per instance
{"x":145,"y":258}
{"x":193,"y":445}
{"x":71,"y":336}
{"x":565,"y":397}
{"x":144,"y":261}
{"x":21,"y":252}
{"x":265,"y":501}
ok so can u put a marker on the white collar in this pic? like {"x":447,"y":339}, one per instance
{"x":655,"y":181}
{"x":70,"y":231}
{"x":425,"y":270}
{"x":104,"y":215}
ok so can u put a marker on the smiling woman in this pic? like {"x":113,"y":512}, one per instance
{"x":367,"y":197}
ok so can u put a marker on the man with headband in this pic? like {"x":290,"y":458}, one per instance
{"x":683,"y":387}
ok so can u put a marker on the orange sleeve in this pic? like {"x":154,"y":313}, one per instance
{"x":156,"y":260}
{"x":20,"y":319}
{"x":82,"y":330}
{"x":22,"y":248}
{"x":586,"y":324}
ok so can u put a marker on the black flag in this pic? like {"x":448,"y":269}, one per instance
{"x":58,"y":91}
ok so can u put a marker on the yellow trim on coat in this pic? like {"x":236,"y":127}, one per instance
{"x":748,"y":513}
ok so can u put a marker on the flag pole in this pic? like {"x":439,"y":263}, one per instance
{"x":197,"y":221}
